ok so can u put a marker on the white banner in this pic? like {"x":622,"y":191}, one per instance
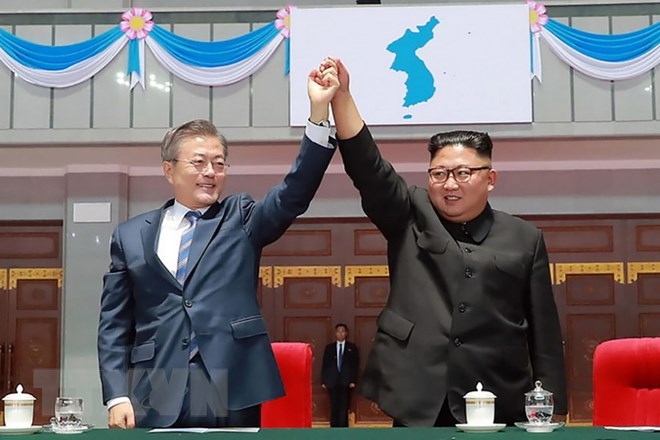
{"x":420,"y":65}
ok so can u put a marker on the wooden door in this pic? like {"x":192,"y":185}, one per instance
{"x":306,"y":292}
{"x":30,"y":289}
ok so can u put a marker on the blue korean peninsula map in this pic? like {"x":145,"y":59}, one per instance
{"x":420,"y":83}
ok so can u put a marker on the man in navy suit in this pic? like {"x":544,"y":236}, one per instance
{"x":181,"y":339}
{"x":339,"y":375}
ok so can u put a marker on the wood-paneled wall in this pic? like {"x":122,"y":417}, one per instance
{"x":606,"y":276}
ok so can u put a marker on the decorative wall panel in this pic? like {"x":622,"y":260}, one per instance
{"x":72,"y":105}
{"x":592,"y":98}
{"x":370,"y":242}
{"x":633,"y":98}
{"x":578,"y":239}
{"x":31,"y":105}
{"x":230,"y":105}
{"x":648,"y":289}
{"x":649,"y":325}
{"x":36,"y":294}
{"x":31,"y":245}
{"x":366,"y":412}
{"x":584,"y":333}
{"x":301,"y":243}
{"x":648,"y":238}
{"x":307,"y":293}
{"x":590,"y":290}
{"x":371,"y":292}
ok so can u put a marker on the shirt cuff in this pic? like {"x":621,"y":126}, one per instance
{"x":319,"y":135}
{"x":117,"y":400}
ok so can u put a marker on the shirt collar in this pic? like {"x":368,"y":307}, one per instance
{"x":475,"y":230}
{"x":179,"y":211}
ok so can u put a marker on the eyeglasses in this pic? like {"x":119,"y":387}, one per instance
{"x":460,"y":174}
{"x":201,"y":165}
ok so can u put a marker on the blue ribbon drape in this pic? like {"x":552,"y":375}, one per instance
{"x":43,"y":57}
{"x":134,"y":56}
{"x":612,"y":48}
{"x":214,"y":53}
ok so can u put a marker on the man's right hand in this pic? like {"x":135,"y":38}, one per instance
{"x":348,"y":121}
{"x":342,"y":75}
{"x":121,"y":416}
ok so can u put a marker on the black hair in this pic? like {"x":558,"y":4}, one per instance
{"x":476,"y":140}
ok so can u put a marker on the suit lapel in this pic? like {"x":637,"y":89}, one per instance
{"x":207,"y":225}
{"x":150,"y":242}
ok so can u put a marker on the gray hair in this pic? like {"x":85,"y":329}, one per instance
{"x":169,"y":147}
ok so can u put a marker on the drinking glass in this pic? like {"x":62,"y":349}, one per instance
{"x":68,"y":412}
{"x":539,"y":405}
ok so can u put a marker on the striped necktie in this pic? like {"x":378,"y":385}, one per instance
{"x":184,"y":252}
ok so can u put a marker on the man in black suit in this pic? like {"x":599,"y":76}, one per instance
{"x":339,"y":375}
{"x":470,"y":293}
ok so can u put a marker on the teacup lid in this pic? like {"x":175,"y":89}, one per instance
{"x":19,"y":395}
{"x":480,"y":394}
{"x":538,"y":391}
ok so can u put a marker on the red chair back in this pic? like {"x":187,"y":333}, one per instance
{"x":294,"y":410}
{"x":626,"y":382}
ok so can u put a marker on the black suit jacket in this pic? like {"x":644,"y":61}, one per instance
{"x":456,"y":314}
{"x":330,"y":376}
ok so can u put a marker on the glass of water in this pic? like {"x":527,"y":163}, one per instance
{"x":68,"y":412}
{"x":539,"y":405}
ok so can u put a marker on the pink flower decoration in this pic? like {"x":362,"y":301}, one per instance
{"x":283,"y":22}
{"x":537,"y":16}
{"x":136,"y":23}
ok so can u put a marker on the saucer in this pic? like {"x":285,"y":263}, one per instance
{"x":5,"y":430}
{"x":493,"y":427}
{"x":539,"y":427}
{"x":77,"y":430}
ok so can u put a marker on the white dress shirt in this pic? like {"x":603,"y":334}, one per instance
{"x":172,"y":227}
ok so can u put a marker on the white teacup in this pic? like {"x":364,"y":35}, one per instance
{"x":480,"y":407}
{"x":19,"y":409}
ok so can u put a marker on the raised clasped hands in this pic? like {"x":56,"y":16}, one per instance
{"x":323,"y":82}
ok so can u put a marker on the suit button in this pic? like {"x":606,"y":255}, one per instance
{"x":468,"y":273}
{"x":462,"y":308}
{"x":457,"y":342}
{"x":187,"y":303}
{"x":468,"y":250}
{"x":185,"y":342}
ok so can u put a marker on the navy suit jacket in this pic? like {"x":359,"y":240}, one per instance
{"x":147,"y":316}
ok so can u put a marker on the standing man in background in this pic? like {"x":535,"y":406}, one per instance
{"x":181,"y":340}
{"x":339,"y":375}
